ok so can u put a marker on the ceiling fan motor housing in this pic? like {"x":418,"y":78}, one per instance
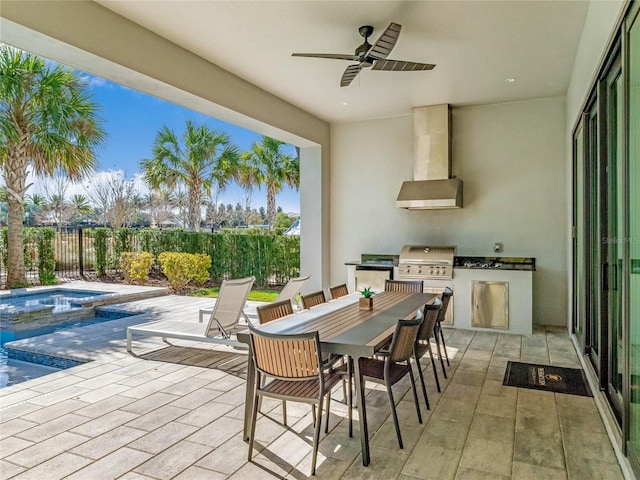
{"x":366,"y":31}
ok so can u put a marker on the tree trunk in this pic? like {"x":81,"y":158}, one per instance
{"x":271,"y":206}
{"x":16,"y":275}
{"x":195,"y":197}
{"x":15,"y":175}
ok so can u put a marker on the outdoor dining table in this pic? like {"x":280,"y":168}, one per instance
{"x":344,"y":329}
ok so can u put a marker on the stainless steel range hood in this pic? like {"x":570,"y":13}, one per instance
{"x":432,"y":186}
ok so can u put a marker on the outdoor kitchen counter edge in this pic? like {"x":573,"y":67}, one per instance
{"x":371,"y":264}
{"x":525,"y":264}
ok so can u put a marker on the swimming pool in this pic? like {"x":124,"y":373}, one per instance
{"x":27,"y":310}
{"x":59,"y":299}
{"x":17,"y":366}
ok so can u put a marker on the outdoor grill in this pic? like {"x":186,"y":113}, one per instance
{"x":422,"y":262}
{"x":432,"y":265}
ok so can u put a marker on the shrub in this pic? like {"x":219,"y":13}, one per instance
{"x":136,"y":266}
{"x":46,"y":256}
{"x":183,"y":268}
{"x":100,"y":236}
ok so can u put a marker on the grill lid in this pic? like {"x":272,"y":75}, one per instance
{"x":427,"y":255}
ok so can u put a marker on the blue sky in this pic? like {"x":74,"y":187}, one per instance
{"x":132,"y":120}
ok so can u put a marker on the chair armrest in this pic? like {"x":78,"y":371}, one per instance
{"x":204,"y":311}
{"x":330,"y":362}
{"x":383,"y":352}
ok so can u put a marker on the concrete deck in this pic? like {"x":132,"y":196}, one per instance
{"x":175,"y":412}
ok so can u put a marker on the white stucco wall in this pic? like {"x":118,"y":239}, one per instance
{"x":511,"y":159}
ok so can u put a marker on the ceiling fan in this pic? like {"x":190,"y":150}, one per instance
{"x":375,"y":55}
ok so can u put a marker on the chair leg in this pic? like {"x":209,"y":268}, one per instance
{"x":313,"y":414}
{"x":344,"y":390}
{"x":316,"y":438}
{"x":326,"y":424}
{"x":415,"y":393}
{"x":284,"y":413}
{"x":252,"y":432}
{"x":350,"y":402}
{"x":444,"y":344}
{"x":424,"y":387}
{"x":392,"y":403}
{"x":444,"y":371}
{"x":433,"y":366}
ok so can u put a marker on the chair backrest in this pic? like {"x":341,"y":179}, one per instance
{"x":291,"y":289}
{"x":339,"y":291}
{"x":403,"y":340}
{"x":229,"y":305}
{"x":430,"y":315}
{"x":413,"y":286}
{"x":313,"y":299}
{"x":273,"y":311}
{"x":292,"y":357}
{"x":445,"y":297}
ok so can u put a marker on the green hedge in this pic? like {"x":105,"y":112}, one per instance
{"x":233,"y":255}
{"x":39,"y":253}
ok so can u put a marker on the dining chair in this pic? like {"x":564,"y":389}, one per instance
{"x":268,"y":313}
{"x":291,"y":290}
{"x":445,"y":298}
{"x":395,"y":366}
{"x":408,"y":286}
{"x":414,"y":286}
{"x":293,"y":365}
{"x":338,"y":291}
{"x":274,"y":310}
{"x":423,"y":344}
{"x":313,"y":299}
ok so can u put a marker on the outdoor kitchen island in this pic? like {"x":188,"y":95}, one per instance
{"x":494,"y":294}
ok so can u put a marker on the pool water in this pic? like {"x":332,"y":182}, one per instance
{"x":13,"y":371}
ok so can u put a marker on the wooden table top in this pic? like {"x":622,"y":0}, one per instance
{"x":344,"y":328}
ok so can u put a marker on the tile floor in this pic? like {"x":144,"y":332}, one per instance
{"x":175,"y":412}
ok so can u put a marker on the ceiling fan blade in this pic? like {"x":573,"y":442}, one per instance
{"x":335,"y":56}
{"x":401,"y":66}
{"x":349,"y":74}
{"x":383,"y":46}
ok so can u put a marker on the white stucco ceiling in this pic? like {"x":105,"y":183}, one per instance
{"x":475,"y":45}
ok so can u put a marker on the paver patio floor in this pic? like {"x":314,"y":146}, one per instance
{"x":176,"y":412}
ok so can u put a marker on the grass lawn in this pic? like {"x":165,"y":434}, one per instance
{"x":257,"y":295}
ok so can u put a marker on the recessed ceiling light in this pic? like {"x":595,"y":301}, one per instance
{"x":509,"y":80}
{"x":344,"y":104}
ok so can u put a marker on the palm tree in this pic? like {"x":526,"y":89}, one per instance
{"x":266,"y":164}
{"x":80,"y":206}
{"x":47,"y":123}
{"x":203,"y":160}
{"x":34,"y":208}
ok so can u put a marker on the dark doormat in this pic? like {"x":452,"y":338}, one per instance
{"x":547,"y":378}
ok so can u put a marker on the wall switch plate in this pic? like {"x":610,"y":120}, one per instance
{"x":497,"y":247}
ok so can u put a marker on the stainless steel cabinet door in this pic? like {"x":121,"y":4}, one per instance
{"x":490,"y":305}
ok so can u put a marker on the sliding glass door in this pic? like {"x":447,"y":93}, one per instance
{"x":606,"y":254}
{"x":613,"y":237}
{"x":633,"y":300}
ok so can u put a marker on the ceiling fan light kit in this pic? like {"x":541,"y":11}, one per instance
{"x":375,"y":55}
